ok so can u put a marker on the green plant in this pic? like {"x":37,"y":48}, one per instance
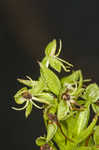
{"x":66,"y":104}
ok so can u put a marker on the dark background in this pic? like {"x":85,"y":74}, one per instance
{"x":26,"y":26}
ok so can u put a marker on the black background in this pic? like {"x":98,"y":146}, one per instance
{"x":26,"y":26}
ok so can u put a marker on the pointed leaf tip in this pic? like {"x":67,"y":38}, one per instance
{"x":51,"y":80}
{"x":28,"y":109}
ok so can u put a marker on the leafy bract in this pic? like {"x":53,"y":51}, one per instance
{"x":92,"y":93}
{"x":51,"y":79}
{"x":63,"y":110}
{"x":82,"y":121}
{"x":85,"y":133}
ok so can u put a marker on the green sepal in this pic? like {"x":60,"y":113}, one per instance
{"x":18,"y":96}
{"x":51,"y":130}
{"x":96,"y":135}
{"x":54,"y":63}
{"x":20,"y":100}
{"x":92,"y":93}
{"x":51,"y":79}
{"x":63,"y":110}
{"x":28,"y":109}
{"x":40,"y":141}
{"x":21,"y":91}
{"x":51,"y":48}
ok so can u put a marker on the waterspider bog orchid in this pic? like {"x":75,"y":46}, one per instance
{"x":65,"y":103}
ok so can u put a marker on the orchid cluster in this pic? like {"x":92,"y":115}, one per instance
{"x":65,"y":102}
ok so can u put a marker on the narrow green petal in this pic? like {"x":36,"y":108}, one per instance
{"x":22,"y":108}
{"x":28,"y":109}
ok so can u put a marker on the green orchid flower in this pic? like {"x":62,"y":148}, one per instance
{"x":53,"y":60}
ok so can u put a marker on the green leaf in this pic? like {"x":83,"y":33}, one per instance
{"x":51,"y":130}
{"x":28,"y":109}
{"x":51,"y":79}
{"x":51,"y":48}
{"x":56,"y":64}
{"x":96,"y":135}
{"x":18,"y":96}
{"x":85,"y":133}
{"x":95,"y":108}
{"x":40,"y":141}
{"x":82,"y":121}
{"x":63,"y":110}
{"x":92,"y":93}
